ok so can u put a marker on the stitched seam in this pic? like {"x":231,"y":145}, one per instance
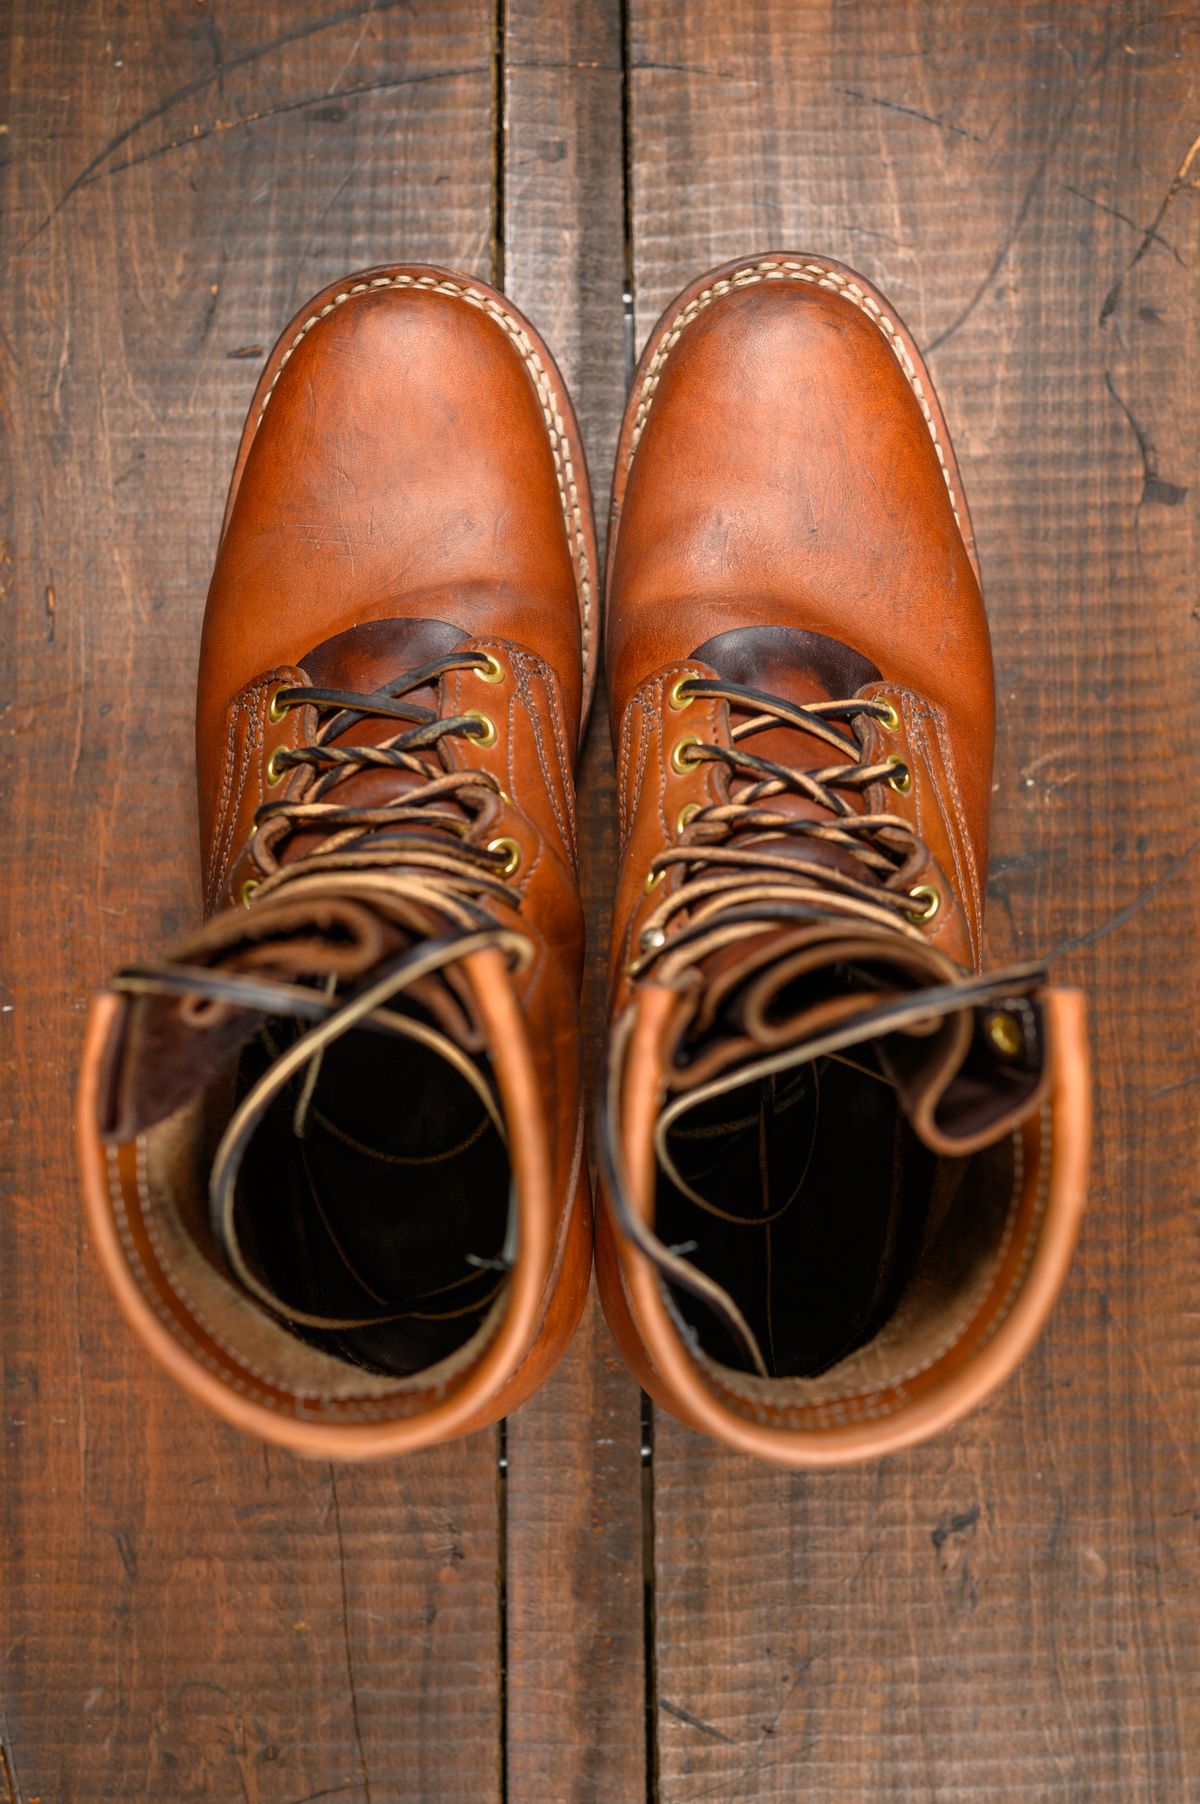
{"x":921,"y":742}
{"x":216,"y":853}
{"x":565,"y":766}
{"x":540,"y":745}
{"x":959,"y":812}
{"x":564,"y":469}
{"x":645,"y":736}
{"x":658,"y":721}
{"x":623,"y":771}
{"x":816,"y":275}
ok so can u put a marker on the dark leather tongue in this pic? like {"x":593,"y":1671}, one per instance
{"x":786,"y":661}
{"x":367,"y":658}
{"x":174,"y":1042}
{"x":364,"y":660}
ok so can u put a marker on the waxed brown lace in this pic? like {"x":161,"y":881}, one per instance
{"x":736,"y":873}
{"x":423,"y":829}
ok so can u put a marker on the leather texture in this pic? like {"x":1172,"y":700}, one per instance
{"x":788,"y":515}
{"x":410,"y":492}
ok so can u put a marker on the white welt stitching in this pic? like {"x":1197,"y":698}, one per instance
{"x":564,"y":469}
{"x":818,"y":276}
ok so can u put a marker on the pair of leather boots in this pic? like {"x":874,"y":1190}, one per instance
{"x":333,"y":1146}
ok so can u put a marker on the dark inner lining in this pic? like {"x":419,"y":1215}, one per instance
{"x":817,"y":1197}
{"x":400,"y":1175}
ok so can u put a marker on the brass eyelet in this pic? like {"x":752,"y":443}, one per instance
{"x":653,"y":879}
{"x":276,"y":772}
{"x":675,"y":697}
{"x":488,"y":735}
{"x":687,"y":813}
{"x":901,"y":784}
{"x":890,"y":719}
{"x":277,"y":710}
{"x":924,"y":892}
{"x":679,"y":755}
{"x":492,"y":670}
{"x":512,"y":853}
{"x":1004,"y":1031}
{"x":247,"y":890}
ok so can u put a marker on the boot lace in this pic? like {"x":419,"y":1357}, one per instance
{"x":422,"y":834}
{"x":736,"y":875}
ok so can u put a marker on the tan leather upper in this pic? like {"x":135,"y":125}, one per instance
{"x":410,"y":483}
{"x":784,"y":464}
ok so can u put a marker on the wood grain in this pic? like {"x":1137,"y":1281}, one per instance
{"x":1008,"y":1613}
{"x":575,"y":1689}
{"x":185,"y":1616}
{"x":1011,"y":1611}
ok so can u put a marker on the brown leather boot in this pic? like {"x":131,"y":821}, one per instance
{"x":843,"y":1171}
{"x":331,"y":1146}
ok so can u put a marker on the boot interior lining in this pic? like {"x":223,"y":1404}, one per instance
{"x":383,"y":1191}
{"x":842,"y":1239}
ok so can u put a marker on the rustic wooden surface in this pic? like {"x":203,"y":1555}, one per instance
{"x":543,"y":1613}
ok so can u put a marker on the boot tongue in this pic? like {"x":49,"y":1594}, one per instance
{"x":367,"y":658}
{"x":362,"y":661}
{"x":173,"y":1046}
{"x":798,"y":667}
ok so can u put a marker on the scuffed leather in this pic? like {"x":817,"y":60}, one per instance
{"x":784,"y":463}
{"x":410,"y":481}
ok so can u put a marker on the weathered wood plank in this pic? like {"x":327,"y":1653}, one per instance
{"x":1011,"y":1612}
{"x":184,"y":1616}
{"x":576,"y":1698}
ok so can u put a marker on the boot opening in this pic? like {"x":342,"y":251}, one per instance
{"x":376,"y":1186}
{"x":837,"y":1233}
{"x":421,"y":1195}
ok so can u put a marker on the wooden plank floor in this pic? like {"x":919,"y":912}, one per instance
{"x":593,"y":1603}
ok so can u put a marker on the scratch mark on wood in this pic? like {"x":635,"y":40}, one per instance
{"x":1151,"y":233}
{"x":1116,"y":213}
{"x":694,"y":1722}
{"x":199,"y":133}
{"x":950,"y":1526}
{"x":356,"y":46}
{"x":1181,"y":1083}
{"x":1140,"y":901}
{"x":127,"y":1552}
{"x":771,"y":1726}
{"x":1027,"y":200}
{"x":330,"y":1791}
{"x":224,"y":66}
{"x":1135,"y":1353}
{"x":354,"y":1715}
{"x":8,"y":1775}
{"x":1168,"y":494}
{"x":50,"y":604}
{"x":911,"y":112}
